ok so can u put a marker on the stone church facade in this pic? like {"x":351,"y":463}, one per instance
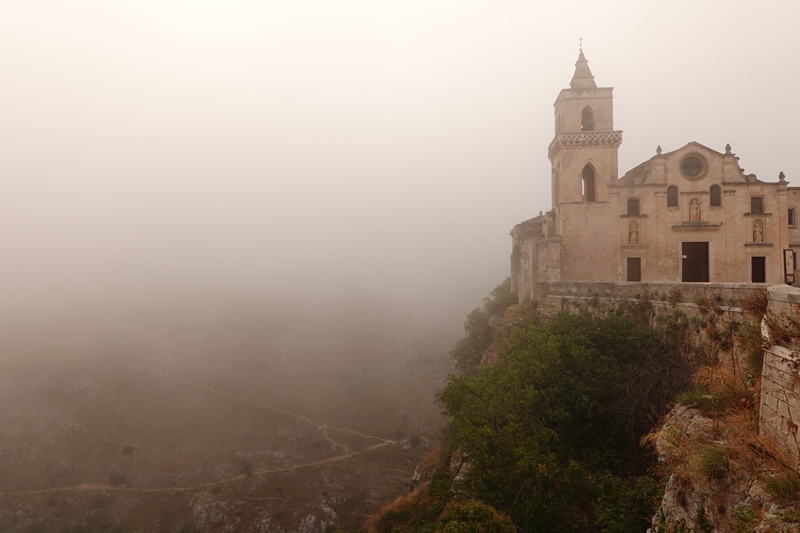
{"x":687,"y":216}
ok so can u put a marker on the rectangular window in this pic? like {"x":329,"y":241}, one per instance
{"x":792,"y":217}
{"x":757,"y":206}
{"x":759,"y":270}
{"x":634,"y":269}
{"x":633,"y":207}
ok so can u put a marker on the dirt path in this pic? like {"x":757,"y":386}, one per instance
{"x":322,"y":427}
{"x":347,"y":453}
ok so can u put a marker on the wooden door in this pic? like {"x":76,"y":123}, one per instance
{"x":695,"y":261}
{"x":759,"y":270}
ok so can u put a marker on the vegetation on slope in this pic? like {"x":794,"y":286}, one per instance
{"x":549,"y":435}
{"x":478,"y":332}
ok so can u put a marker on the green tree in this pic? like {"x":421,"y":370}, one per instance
{"x":501,"y":299}
{"x":545,"y":429}
{"x":468,"y":351}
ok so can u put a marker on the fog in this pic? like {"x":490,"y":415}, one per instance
{"x":238,"y":239}
{"x":186,"y":153}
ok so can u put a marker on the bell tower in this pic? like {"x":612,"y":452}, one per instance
{"x":583,"y":157}
{"x":583,"y":153}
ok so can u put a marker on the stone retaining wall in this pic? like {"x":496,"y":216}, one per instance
{"x":779,"y":415}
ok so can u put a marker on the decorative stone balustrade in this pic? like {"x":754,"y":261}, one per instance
{"x":534,"y":226}
{"x":585,"y":138}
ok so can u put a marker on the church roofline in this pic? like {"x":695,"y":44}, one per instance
{"x":643,"y":169}
{"x":692,"y":143}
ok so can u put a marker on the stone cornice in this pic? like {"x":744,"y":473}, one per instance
{"x":581,"y":139}
{"x":696,"y":226}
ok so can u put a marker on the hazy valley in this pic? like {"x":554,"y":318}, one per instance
{"x":231,"y":422}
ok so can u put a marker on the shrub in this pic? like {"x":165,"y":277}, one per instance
{"x":701,"y":519}
{"x":415,"y":440}
{"x":468,"y":351}
{"x":127,"y":449}
{"x":747,"y":517}
{"x":792,"y":516}
{"x":715,"y":401}
{"x":674,"y":296}
{"x":753,"y":344}
{"x":472,"y":516}
{"x":546,"y":428}
{"x":699,"y":397}
{"x":216,"y":489}
{"x":704,"y":303}
{"x":713,"y":460}
{"x":784,"y":328}
{"x":784,"y":487}
{"x":501,"y":299}
{"x":756,"y":303}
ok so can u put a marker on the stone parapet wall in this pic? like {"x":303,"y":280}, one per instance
{"x":779,"y":414}
{"x":556,"y":296}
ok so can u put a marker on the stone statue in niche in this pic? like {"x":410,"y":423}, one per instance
{"x":633,"y":233}
{"x":694,"y":210}
{"x":758,"y":231}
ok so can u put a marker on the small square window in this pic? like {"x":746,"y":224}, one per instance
{"x":633,"y":207}
{"x":792,"y":217}
{"x":757,"y":206}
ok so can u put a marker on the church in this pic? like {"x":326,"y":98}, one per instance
{"x":687,"y":216}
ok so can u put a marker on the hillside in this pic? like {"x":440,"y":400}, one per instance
{"x":639,"y":417}
{"x":229,"y":425}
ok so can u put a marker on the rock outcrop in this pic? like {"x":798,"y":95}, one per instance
{"x":708,"y":496}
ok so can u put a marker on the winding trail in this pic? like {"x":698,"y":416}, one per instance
{"x":347,"y":453}
{"x":323,"y":427}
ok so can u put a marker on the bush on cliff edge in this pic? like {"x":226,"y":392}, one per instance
{"x":478,"y":334}
{"x":551,"y":431}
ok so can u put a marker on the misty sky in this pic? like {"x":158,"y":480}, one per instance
{"x":323,"y":149}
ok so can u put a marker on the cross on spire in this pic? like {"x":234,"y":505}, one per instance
{"x":580,"y":44}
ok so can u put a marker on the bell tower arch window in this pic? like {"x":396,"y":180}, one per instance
{"x":672,"y":196}
{"x":588,"y":183}
{"x":587,"y":119}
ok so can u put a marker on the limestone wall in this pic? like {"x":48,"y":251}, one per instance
{"x":556,"y":296}
{"x":780,"y":381}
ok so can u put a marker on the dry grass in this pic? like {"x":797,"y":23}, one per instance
{"x":718,"y":390}
{"x":429,"y":463}
{"x":401,"y":508}
{"x":712,"y":460}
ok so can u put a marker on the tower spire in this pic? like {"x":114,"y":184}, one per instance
{"x":582,"y":79}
